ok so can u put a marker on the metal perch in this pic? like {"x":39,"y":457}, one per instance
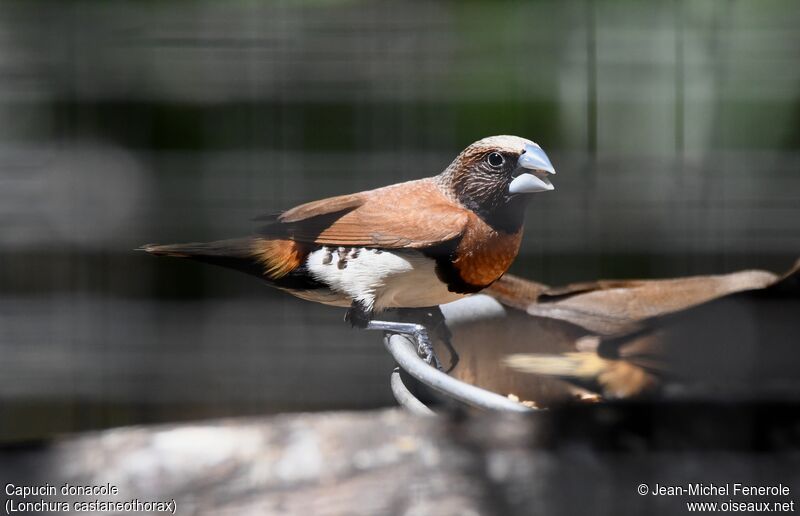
{"x":404,"y":350}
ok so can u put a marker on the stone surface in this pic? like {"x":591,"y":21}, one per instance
{"x":564,"y":461}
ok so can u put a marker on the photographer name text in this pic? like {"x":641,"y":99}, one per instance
{"x":727,"y":489}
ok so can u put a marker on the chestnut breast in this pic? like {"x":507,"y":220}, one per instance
{"x":484,"y":253}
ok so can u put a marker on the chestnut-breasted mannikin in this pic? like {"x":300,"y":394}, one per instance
{"x":416,"y":244}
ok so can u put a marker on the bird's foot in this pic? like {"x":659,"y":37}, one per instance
{"x":425,"y":349}
{"x":433,"y":320}
{"x":418,"y":332}
{"x":360,"y":316}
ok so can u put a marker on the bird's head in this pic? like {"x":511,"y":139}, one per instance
{"x":494,"y":176}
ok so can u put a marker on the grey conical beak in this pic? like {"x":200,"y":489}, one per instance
{"x":533,"y":158}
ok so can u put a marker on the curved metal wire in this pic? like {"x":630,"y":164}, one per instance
{"x":403,"y":349}
{"x":405,"y":398}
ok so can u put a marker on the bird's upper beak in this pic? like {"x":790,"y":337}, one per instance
{"x":534,"y":159}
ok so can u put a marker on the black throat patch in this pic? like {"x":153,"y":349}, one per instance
{"x":505,"y":214}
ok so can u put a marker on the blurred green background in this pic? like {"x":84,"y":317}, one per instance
{"x":674,"y":127}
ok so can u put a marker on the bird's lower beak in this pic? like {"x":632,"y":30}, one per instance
{"x":532,"y":174}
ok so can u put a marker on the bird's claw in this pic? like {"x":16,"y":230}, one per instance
{"x":425,"y":350}
{"x":415,"y":331}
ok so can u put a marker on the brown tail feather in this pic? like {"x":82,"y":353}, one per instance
{"x":270,"y":259}
{"x":235,"y":248}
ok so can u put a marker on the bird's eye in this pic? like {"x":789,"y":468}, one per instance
{"x":495,"y":160}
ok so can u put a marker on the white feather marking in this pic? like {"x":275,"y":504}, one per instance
{"x":379,"y":279}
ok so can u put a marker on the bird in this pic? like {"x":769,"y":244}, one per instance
{"x":409,"y":245}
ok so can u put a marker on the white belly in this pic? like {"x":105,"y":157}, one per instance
{"x":379,"y":279}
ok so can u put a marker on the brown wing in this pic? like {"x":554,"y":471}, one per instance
{"x":409,"y":215}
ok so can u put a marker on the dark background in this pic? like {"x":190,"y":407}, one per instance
{"x":674,"y":127}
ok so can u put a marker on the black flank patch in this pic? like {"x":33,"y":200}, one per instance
{"x":444,"y":254}
{"x":299,"y":279}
